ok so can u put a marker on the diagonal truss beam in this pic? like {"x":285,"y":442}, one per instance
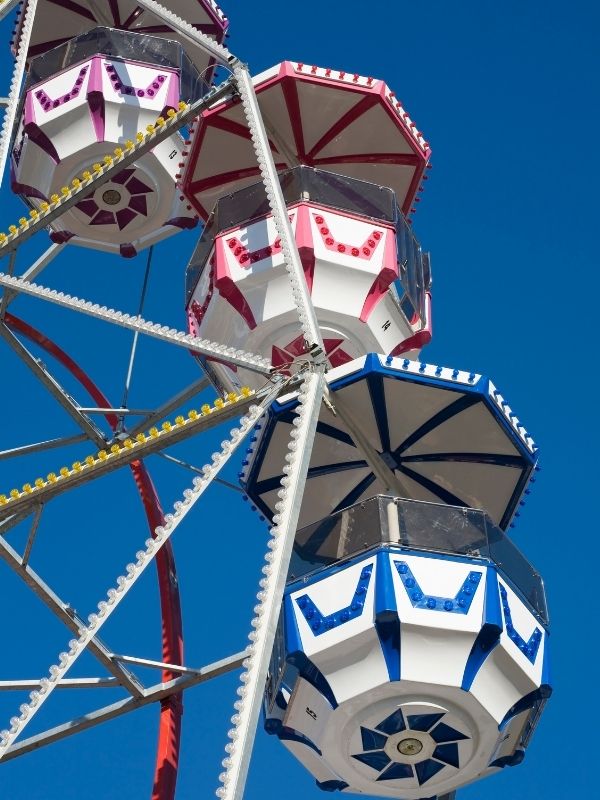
{"x":153,"y":694}
{"x":69,"y":617}
{"x":135,"y":323}
{"x":270,"y":596}
{"x":52,"y":385}
{"x":36,"y":447}
{"x":131,"y":450}
{"x":171,"y":405}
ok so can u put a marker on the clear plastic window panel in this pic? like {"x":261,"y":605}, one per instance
{"x":415,"y":525}
{"x":125,"y":45}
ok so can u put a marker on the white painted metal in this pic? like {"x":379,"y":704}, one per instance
{"x":135,"y":323}
{"x":306,"y":311}
{"x":270,"y":596}
{"x":10,"y":114}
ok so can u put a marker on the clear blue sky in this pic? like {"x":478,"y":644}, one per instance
{"x":506,"y":93}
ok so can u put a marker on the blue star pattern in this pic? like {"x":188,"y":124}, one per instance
{"x":529,"y":648}
{"x":320,"y":623}
{"x":445,"y":753}
{"x":459,"y":604}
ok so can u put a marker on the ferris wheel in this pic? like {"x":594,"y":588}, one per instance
{"x":399,"y":640}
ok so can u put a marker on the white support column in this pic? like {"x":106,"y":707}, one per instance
{"x":272,"y":585}
{"x":10,"y":113}
{"x":302,"y":298}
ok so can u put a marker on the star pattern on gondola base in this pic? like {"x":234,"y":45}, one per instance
{"x":410,"y":736}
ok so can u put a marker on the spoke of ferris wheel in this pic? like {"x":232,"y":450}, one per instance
{"x":124,"y":452}
{"x":69,"y":617}
{"x":270,"y":595}
{"x":37,"y":515}
{"x":113,"y":164}
{"x":306,"y":311}
{"x":308,"y":320}
{"x":153,"y":694}
{"x":49,"y":444}
{"x":231,"y":355}
{"x":52,"y":385}
{"x":171,"y":405}
{"x":67,"y":683}
{"x":124,"y":583}
{"x":10,"y":113}
{"x":198,"y":471}
{"x":31,"y":274}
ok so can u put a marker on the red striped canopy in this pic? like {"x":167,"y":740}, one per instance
{"x":337,"y":121}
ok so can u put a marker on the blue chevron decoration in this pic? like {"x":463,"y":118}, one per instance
{"x":459,"y":604}
{"x":320,"y":623}
{"x":529,"y":648}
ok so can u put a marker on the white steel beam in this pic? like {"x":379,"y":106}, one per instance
{"x":135,"y":323}
{"x":36,"y":447}
{"x":192,"y":35}
{"x":270,"y":596}
{"x":67,"y":683}
{"x":10,"y":113}
{"x":302,"y":299}
{"x":68,"y":616}
{"x":153,"y":694}
{"x":171,"y":405}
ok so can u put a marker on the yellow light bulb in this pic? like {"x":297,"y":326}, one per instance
{"x":40,"y":483}
{"x":102,"y":455}
{"x":12,"y":228}
{"x":90,"y":461}
{"x":27,"y":488}
{"x":232,"y":397}
{"x":75,"y":183}
{"x":193,"y":414}
{"x":34,"y":213}
{"x":150,"y":128}
{"x":3,"y":500}
{"x":128,"y":144}
{"x":166,"y":426}
{"x":87,"y":175}
{"x":160,"y":122}
{"x":141,"y":437}
{"x":115,"y":449}
{"x":77,"y":466}
{"x":118,"y":152}
{"x":108,"y":159}
{"x":206,"y":409}
{"x":153,"y":432}
{"x":171,"y":113}
{"x":246,"y":391}
{"x":128,"y":444}
{"x":219,"y":402}
{"x":55,"y":198}
{"x":97,"y":167}
{"x":179,"y":420}
{"x":22,"y":221}
{"x":14,"y":493}
{"x":65,"y":191}
{"x":44,"y":206}
{"x":64,"y":472}
{"x":52,"y":477}
{"x":182,"y":105}
{"x":140,"y":136}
